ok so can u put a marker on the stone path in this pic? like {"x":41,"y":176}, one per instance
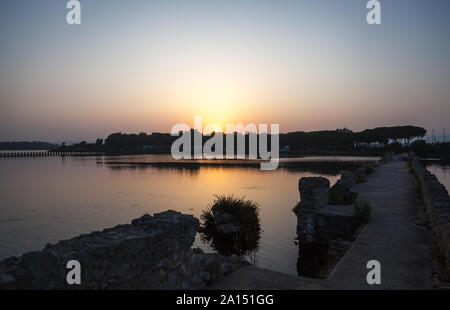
{"x":254,"y":278}
{"x":395,"y":235}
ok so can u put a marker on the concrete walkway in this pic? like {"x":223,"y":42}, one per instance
{"x":254,"y":278}
{"x":395,"y":235}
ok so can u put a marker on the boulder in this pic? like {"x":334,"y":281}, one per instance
{"x":314,"y":192}
{"x":153,"y":252}
{"x":360,"y":174}
{"x":341,"y":192}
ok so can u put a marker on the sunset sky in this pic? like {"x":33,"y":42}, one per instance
{"x":134,"y":66}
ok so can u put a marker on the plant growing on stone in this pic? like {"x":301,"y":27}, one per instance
{"x":232,"y":225}
{"x":362,"y":210}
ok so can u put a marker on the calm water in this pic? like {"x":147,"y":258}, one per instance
{"x":44,"y":200}
{"x":440,"y":169}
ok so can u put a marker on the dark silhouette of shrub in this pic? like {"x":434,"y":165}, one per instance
{"x":232,"y":225}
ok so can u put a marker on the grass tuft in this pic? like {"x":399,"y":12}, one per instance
{"x":245,"y":212}
{"x":241,"y":213}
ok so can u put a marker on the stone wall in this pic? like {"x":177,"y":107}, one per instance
{"x":314,"y":192}
{"x":317,"y":219}
{"x":323,"y":230}
{"x":153,"y":252}
{"x":437,"y":203}
{"x":341,"y":192}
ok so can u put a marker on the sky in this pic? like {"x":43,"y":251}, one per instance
{"x":144,"y":66}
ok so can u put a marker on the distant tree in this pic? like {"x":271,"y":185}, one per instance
{"x":395,"y":147}
{"x":444,"y":150}
{"x":407,"y":133}
{"x":341,"y":139}
{"x":420,"y":147}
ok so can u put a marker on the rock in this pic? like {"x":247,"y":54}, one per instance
{"x":437,"y":204}
{"x":153,"y":252}
{"x":142,"y":219}
{"x":319,"y":224}
{"x":314,"y":192}
{"x":197,"y":251}
{"x":6,"y":279}
{"x":335,"y":225}
{"x":341,"y":193}
{"x":360,"y":174}
{"x":348,"y":177}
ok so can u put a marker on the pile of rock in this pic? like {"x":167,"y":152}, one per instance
{"x":153,"y":252}
{"x":321,"y":226}
{"x":341,"y":192}
{"x":316,"y":218}
{"x":362,"y":172}
{"x":360,"y":175}
{"x":314,"y":193}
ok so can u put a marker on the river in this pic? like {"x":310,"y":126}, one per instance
{"x":46,"y":199}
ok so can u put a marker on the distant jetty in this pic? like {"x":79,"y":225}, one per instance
{"x":45,"y":154}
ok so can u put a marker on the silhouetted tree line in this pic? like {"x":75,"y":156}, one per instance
{"x":162,"y":142}
{"x":339,"y":139}
{"x":83,"y":146}
{"x":396,"y":138}
{"x":424,"y":149}
{"x":346,"y":140}
{"x":324,"y":140}
{"x":383,"y":135}
{"x":155,"y":141}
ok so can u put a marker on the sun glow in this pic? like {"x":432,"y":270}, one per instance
{"x":213,"y":128}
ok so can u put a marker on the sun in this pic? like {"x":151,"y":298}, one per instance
{"x":209,"y":128}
